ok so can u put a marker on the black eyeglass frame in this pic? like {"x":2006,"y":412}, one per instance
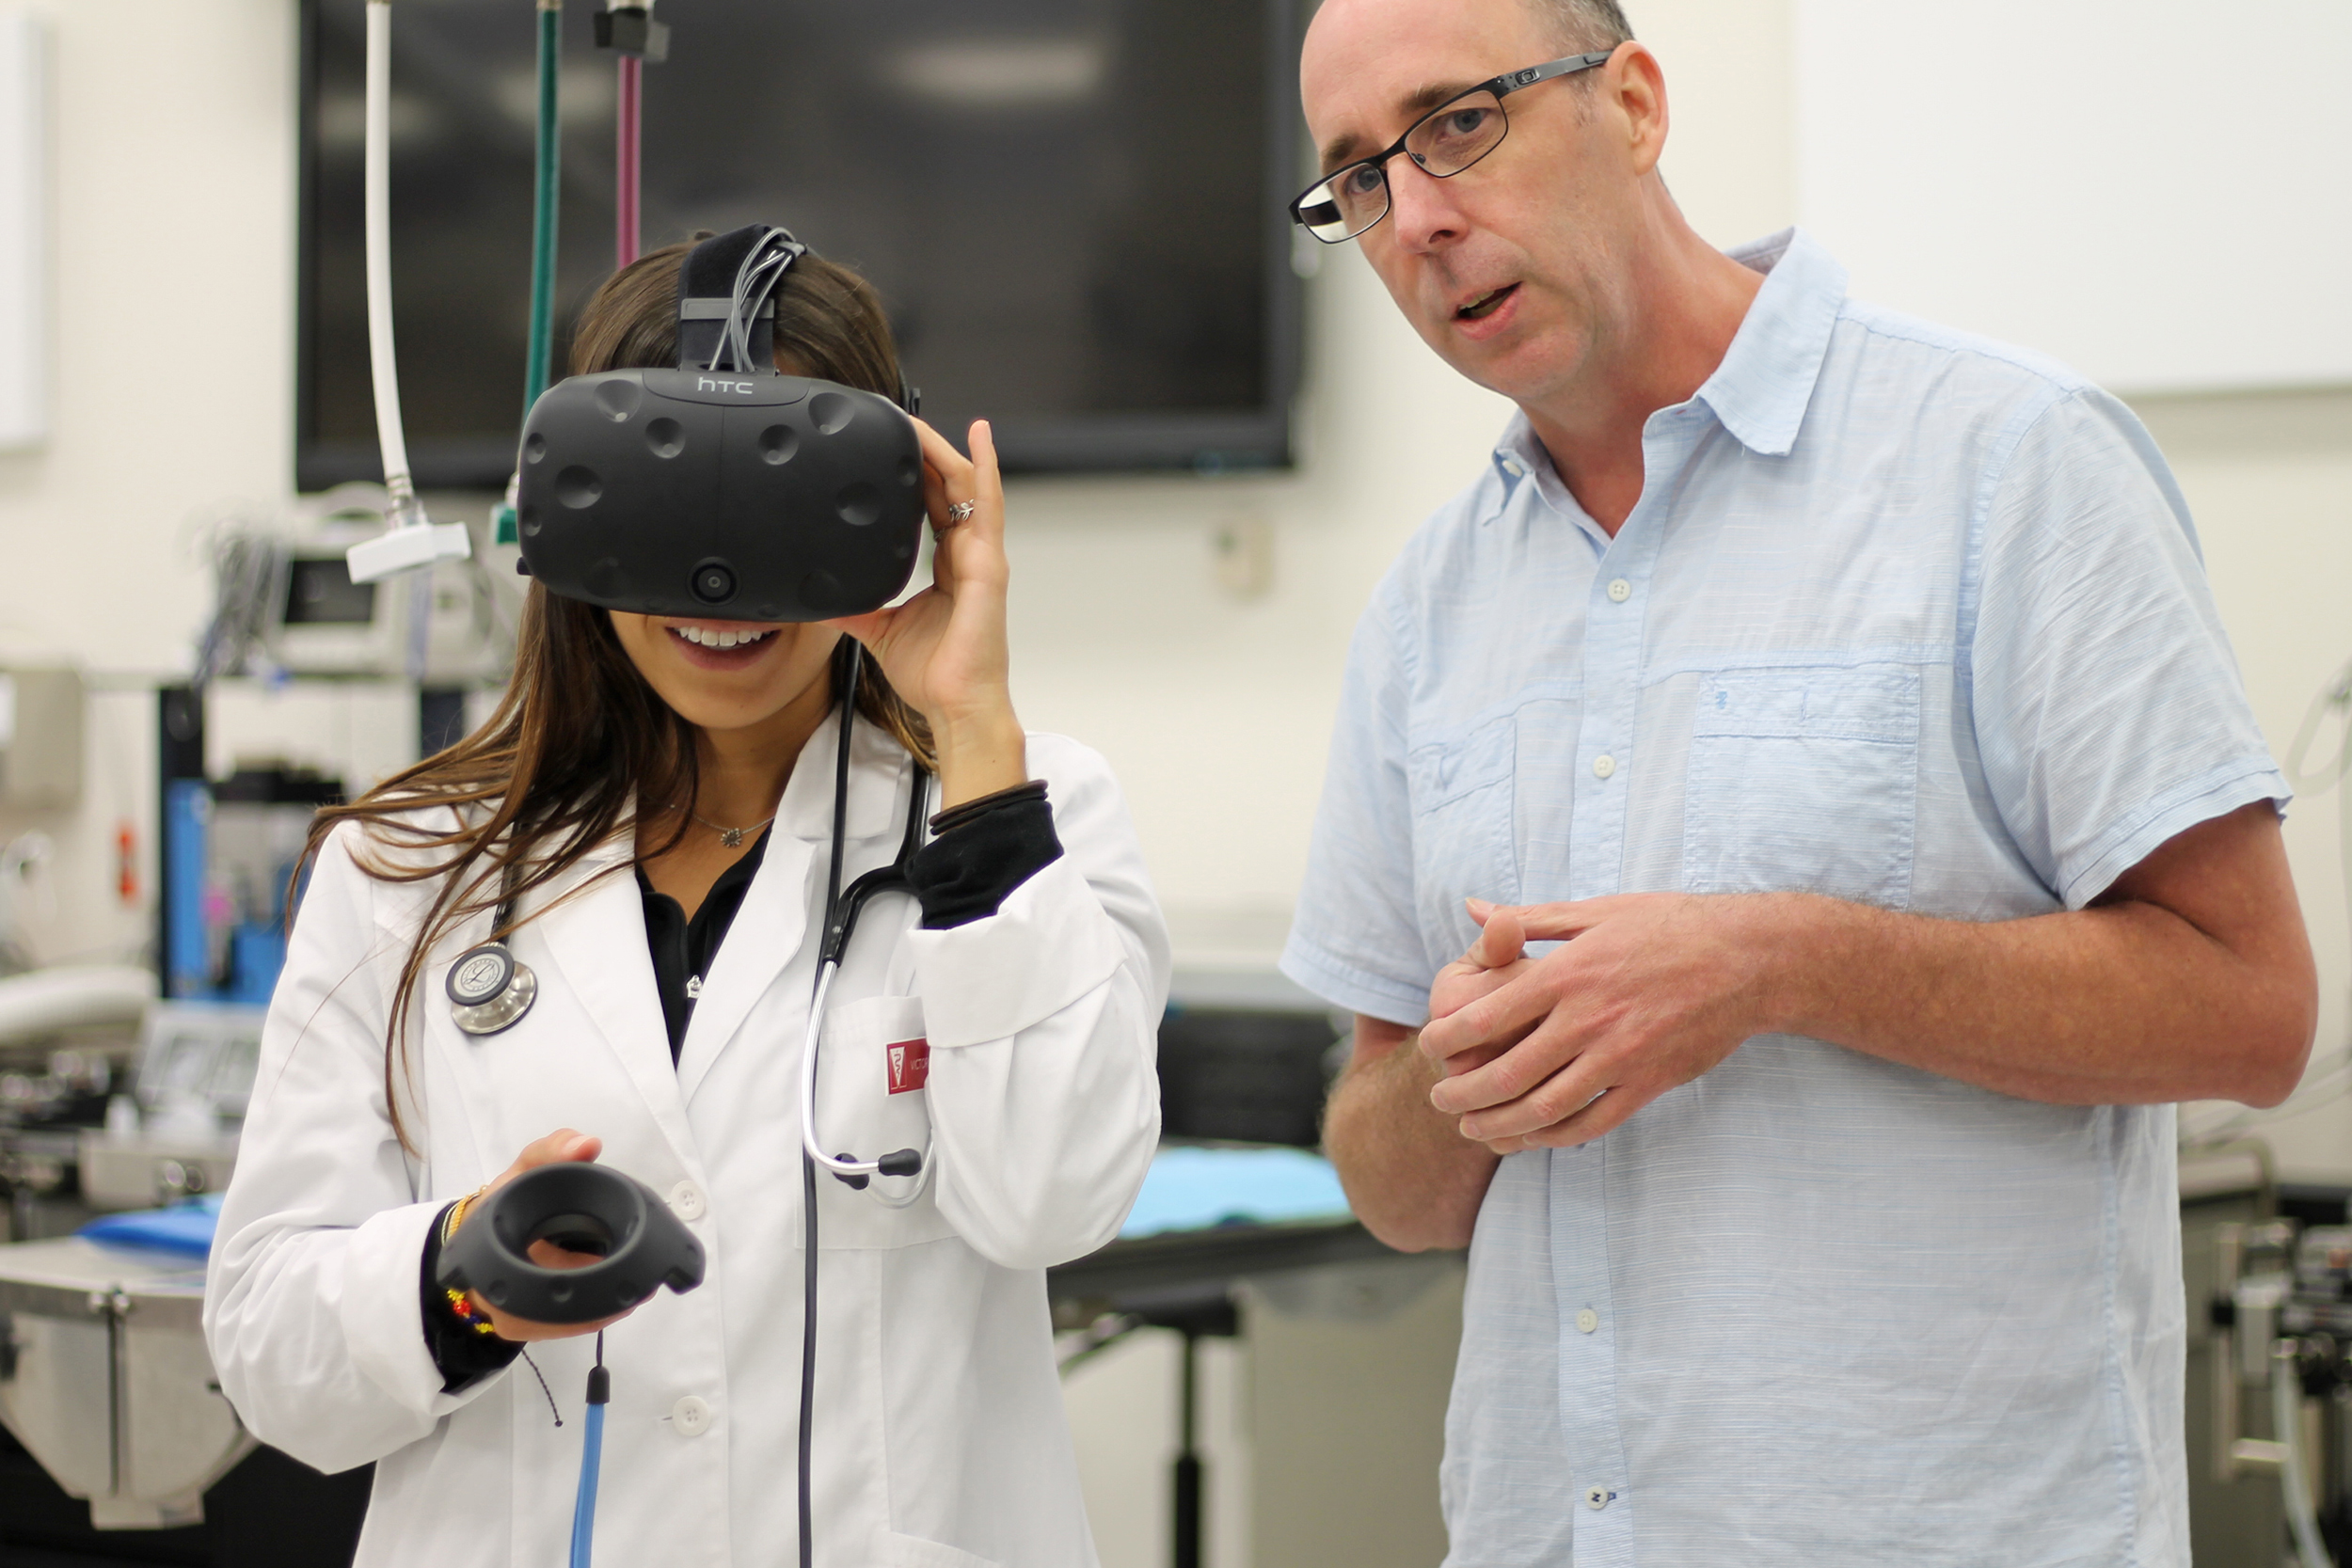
{"x":1500,"y":87}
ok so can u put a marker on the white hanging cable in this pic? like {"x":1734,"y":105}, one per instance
{"x":2286,"y":1422}
{"x":411,"y":540}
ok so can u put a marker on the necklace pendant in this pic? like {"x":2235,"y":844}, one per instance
{"x":731,"y":837}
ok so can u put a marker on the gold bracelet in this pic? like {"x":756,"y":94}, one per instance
{"x":457,"y":1212}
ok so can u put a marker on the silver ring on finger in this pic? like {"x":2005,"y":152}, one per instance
{"x":962,"y":512}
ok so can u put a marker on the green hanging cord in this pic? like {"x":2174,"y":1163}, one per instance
{"x":551,"y":158}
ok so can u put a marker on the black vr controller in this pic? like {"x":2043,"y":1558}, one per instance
{"x":585,"y":1208}
{"x":722,"y":488}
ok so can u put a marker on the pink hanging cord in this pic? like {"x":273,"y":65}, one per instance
{"x":626,"y":159}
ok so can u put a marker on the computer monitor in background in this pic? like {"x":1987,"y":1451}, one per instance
{"x":1072,"y":209}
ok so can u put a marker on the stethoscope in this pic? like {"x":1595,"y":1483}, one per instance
{"x":490,"y":990}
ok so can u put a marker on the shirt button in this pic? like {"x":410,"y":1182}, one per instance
{"x":1511,"y":467}
{"x":1587,"y":1320}
{"x":690,"y":1418}
{"x":687,"y":1202}
{"x":1620,"y":590}
{"x":1597,"y":1498}
{"x":1603,"y":765}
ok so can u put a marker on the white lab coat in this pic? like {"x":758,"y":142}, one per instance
{"x":940,"y":1440}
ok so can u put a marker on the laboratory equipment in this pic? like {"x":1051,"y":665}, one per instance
{"x":284,"y":603}
{"x":175,"y":1134}
{"x":229,"y":854}
{"x":45,"y":1002}
{"x":40,"y":737}
{"x":2280,"y":1321}
{"x":411,"y":540}
{"x":105,"y":1380}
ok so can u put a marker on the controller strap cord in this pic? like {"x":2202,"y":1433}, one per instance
{"x":591,"y":1459}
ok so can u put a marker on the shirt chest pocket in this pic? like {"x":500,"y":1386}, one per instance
{"x":1464,"y":843}
{"x":872,"y":1072}
{"x":1806,"y":781}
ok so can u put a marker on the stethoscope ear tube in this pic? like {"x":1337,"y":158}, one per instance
{"x":852,"y":1171}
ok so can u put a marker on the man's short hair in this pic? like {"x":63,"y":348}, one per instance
{"x":1583,"y":26}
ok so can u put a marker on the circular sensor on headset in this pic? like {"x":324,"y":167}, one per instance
{"x":830,"y":412}
{"x":713,"y":582}
{"x":578,"y":487}
{"x":859,"y":504}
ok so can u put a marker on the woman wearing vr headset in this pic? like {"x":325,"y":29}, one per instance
{"x":654,"y":800}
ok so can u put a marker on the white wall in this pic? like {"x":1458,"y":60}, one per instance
{"x":2088,"y":178}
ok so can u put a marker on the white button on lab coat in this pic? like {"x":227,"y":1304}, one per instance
{"x":940,"y":1440}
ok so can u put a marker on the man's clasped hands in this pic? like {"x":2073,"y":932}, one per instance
{"x":1644,"y":993}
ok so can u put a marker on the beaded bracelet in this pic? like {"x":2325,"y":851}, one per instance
{"x":461,"y":1307}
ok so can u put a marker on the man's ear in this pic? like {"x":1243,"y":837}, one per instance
{"x":1633,"y":86}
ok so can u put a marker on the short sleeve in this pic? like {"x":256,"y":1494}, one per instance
{"x":1353,"y":942}
{"x":2108,"y":709}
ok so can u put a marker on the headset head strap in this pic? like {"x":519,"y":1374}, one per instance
{"x":733,"y":277}
{"x":726,"y":307}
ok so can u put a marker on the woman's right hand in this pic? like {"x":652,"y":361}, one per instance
{"x":559,"y":1146}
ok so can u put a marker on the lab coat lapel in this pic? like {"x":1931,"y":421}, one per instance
{"x":763,"y":940}
{"x":597,"y":939}
{"x":781,"y":905}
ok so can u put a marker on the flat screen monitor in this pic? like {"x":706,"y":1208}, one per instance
{"x":1073,"y":211}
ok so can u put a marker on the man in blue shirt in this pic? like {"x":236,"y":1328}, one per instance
{"x":1849,"y":692}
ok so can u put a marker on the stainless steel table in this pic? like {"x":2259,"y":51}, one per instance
{"x":105,"y":1380}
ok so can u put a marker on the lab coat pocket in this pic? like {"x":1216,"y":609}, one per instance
{"x":1805,"y":779}
{"x":1464,"y":844}
{"x":871,"y":1073}
{"x":893,"y":1550}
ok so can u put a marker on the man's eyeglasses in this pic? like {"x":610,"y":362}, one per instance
{"x":1443,"y":142}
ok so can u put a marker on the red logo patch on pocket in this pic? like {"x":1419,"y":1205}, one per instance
{"x":909,"y":1065}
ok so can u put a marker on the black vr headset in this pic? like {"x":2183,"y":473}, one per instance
{"x":723,"y":488}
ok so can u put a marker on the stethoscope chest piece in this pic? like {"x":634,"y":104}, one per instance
{"x":489,"y":989}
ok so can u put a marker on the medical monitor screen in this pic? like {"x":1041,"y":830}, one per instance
{"x":1074,"y":210}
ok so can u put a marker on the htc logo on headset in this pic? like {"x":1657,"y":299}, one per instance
{"x":714,"y":384}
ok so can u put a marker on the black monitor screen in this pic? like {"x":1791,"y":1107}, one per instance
{"x":1072,"y":209}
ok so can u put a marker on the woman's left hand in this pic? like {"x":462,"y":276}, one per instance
{"x":944,"y":650}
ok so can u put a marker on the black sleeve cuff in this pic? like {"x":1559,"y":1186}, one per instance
{"x":985,"y":848}
{"x":459,"y":1349}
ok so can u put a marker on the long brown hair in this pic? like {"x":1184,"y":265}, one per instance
{"x":579,"y":733}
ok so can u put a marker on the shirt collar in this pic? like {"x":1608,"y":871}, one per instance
{"x":1762,"y":388}
{"x":1765,"y":380}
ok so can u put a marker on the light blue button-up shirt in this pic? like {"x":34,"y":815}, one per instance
{"x":1902,"y":616}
